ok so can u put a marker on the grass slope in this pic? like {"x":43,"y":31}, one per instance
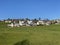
{"x":37,"y":35}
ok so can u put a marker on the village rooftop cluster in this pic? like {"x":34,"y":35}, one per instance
{"x":28,"y":22}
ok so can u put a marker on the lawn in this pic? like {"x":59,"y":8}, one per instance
{"x":35,"y":35}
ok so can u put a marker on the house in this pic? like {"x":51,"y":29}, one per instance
{"x":40,"y":22}
{"x":13,"y":25}
{"x":6,"y":21}
{"x":29,"y":22}
{"x":48,"y":23}
{"x":10,"y":25}
{"x":26,"y":23}
{"x":16,"y":25}
{"x":21,"y":23}
{"x":56,"y":21}
{"x":1,"y":20}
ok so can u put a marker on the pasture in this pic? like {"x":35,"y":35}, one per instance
{"x":36,"y":35}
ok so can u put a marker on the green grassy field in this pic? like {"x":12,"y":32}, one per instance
{"x":36,"y":35}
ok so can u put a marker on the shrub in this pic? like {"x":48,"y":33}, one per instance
{"x":24,"y":42}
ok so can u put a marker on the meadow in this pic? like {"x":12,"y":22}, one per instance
{"x":35,"y":35}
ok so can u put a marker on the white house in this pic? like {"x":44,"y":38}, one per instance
{"x":13,"y":25}
{"x":10,"y":25}
{"x":8,"y":21}
{"x":30,"y":22}
{"x":16,"y":25}
{"x":21,"y":23}
{"x":57,"y":21}
{"x":40,"y":22}
{"x":48,"y":23}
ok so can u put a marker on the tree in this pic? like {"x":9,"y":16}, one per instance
{"x":27,"y":19}
{"x":39,"y":18}
{"x":35,"y":20}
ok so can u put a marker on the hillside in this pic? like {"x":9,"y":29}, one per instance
{"x":35,"y":35}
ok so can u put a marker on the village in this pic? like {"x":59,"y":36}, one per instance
{"x":28,"y":22}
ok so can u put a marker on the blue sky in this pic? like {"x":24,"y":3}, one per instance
{"x":30,"y":9}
